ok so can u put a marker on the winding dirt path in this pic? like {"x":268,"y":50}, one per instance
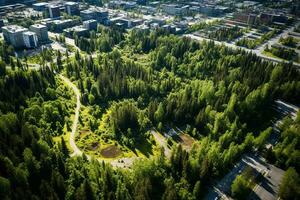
{"x":76,"y":150}
{"x":122,"y":162}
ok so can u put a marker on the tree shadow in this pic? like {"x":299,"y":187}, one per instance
{"x":253,"y":196}
{"x":177,"y":139}
{"x":145,"y":147}
{"x":267,"y":185}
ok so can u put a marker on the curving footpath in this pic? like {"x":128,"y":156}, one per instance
{"x":122,"y":162}
{"x":76,"y":150}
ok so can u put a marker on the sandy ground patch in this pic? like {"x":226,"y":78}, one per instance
{"x":110,"y":152}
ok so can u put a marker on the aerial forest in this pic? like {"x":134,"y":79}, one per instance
{"x":136,"y":82}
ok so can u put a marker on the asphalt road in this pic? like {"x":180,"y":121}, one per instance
{"x":268,"y":188}
{"x":258,"y":51}
{"x":221,"y":190}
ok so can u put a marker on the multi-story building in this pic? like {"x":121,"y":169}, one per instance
{"x":13,"y":35}
{"x":247,"y":18}
{"x":59,"y":25}
{"x":78,"y":31}
{"x":42,"y":6}
{"x":175,"y":9}
{"x":158,"y":21}
{"x":126,"y":22}
{"x":126,"y":5}
{"x":213,"y":10}
{"x":141,"y":2}
{"x":30,"y":39}
{"x":94,"y":13}
{"x":54,"y":11}
{"x":41,"y":31}
{"x":1,"y":23}
{"x":72,"y":8}
{"x":90,"y":24}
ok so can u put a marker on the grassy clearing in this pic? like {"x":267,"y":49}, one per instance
{"x":92,"y":144}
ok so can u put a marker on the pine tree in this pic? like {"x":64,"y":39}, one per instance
{"x":64,"y":148}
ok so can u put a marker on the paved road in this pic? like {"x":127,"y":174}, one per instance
{"x":221,"y":190}
{"x":269,"y":186}
{"x":257,"y":51}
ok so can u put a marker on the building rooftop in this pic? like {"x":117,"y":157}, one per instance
{"x":88,"y":11}
{"x":90,"y":21}
{"x":14,"y":28}
{"x":59,"y":21}
{"x":54,"y":6}
{"x":41,"y":4}
{"x":76,"y":29}
{"x":71,"y":3}
{"x":29,"y":33}
{"x":172,"y":5}
{"x":38,"y":26}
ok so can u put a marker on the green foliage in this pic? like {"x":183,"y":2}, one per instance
{"x":4,"y":188}
{"x":244,"y":42}
{"x":146,"y":78}
{"x":290,"y":185}
{"x":109,"y":37}
{"x":239,"y":188}
{"x":287,"y":150}
{"x":251,"y":44}
{"x":288,"y":41}
{"x":125,"y":122}
{"x":282,"y":52}
{"x":243,"y":184}
{"x":201,"y":25}
{"x":6,"y":51}
{"x":125,"y":115}
{"x":260,"y":141}
{"x":226,"y":34}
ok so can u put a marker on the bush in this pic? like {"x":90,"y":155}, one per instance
{"x":290,"y":185}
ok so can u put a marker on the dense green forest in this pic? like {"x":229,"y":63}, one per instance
{"x":142,"y":80}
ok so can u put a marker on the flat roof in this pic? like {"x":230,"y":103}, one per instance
{"x":14,"y":28}
{"x":89,"y":21}
{"x":59,"y":21}
{"x":88,"y":11}
{"x":38,"y":26}
{"x":76,"y":28}
{"x":29,"y":33}
{"x":53,"y":6}
{"x":71,"y":3}
{"x":41,"y":4}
